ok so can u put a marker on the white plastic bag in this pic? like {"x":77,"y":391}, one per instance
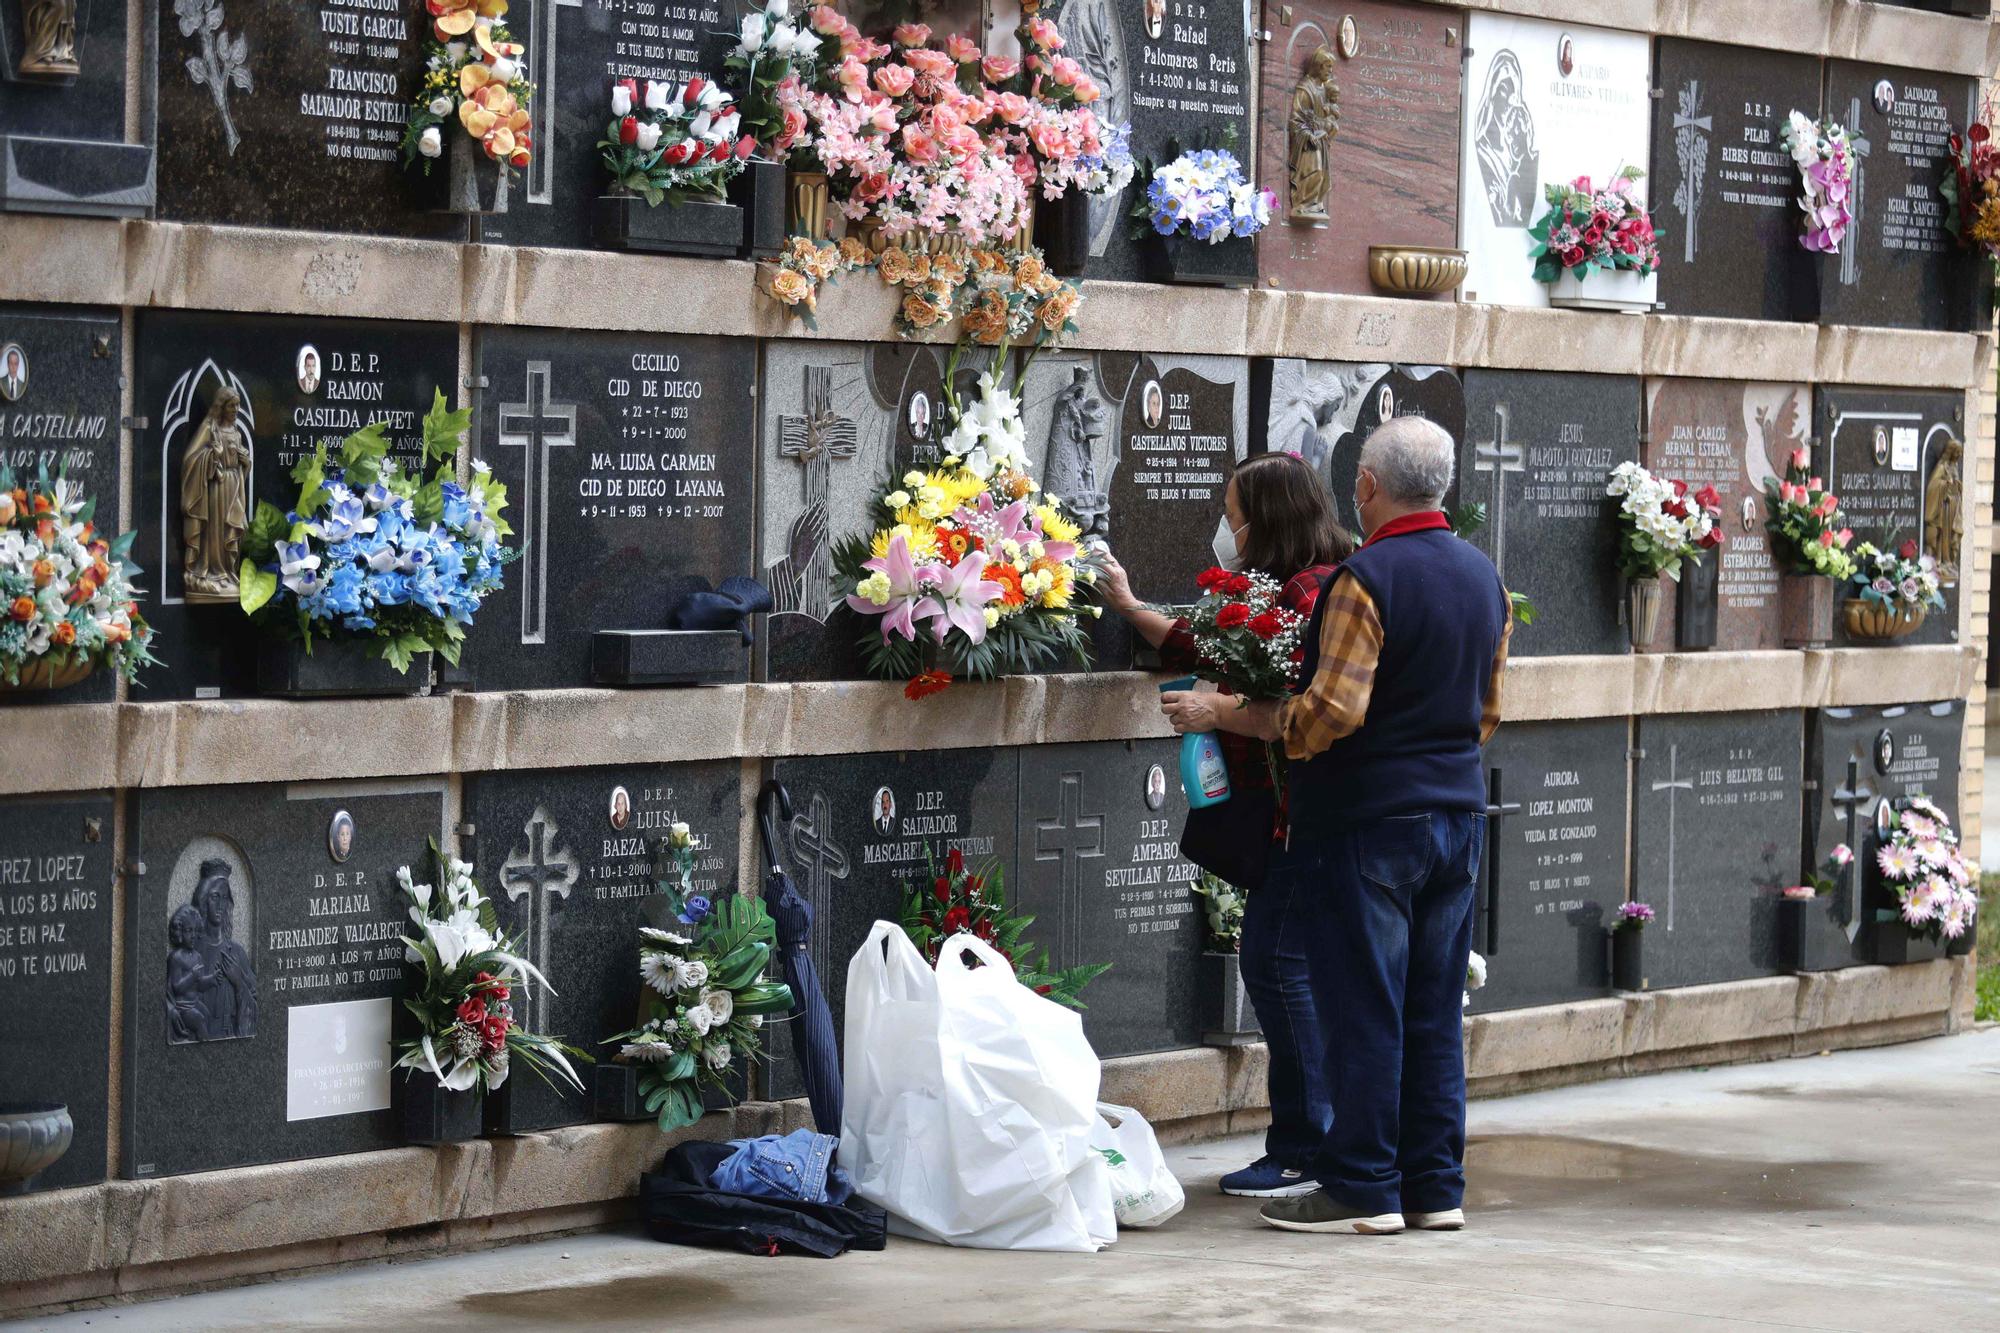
{"x":969,"y":1102}
{"x":1143,"y":1191}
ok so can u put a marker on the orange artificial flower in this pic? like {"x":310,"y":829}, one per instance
{"x":23,"y":608}
{"x":64,"y":633}
{"x":1009,"y":580}
{"x":455,"y":18}
{"x":43,"y":573}
{"x":42,"y":503}
{"x":926,"y":684}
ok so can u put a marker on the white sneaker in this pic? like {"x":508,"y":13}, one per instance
{"x":1451,"y":1219}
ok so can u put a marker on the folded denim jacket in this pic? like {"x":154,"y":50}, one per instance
{"x":798,"y":1165}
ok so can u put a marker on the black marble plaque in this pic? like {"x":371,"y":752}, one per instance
{"x":838,"y":421}
{"x":1561,"y":862}
{"x":571,"y":859}
{"x":1861,"y":757}
{"x":264,"y":970}
{"x":359,"y":371}
{"x":1537,"y":451}
{"x":1715,"y":813}
{"x":1898,"y":265}
{"x":59,"y":410}
{"x":1724,"y":189}
{"x":1324,"y":411}
{"x":576,"y":50}
{"x":63,"y":146}
{"x":626,"y":485}
{"x":865,"y":827}
{"x":55,"y":968}
{"x":1897,"y":463}
{"x":292,"y":115}
{"x":1101,"y":870}
{"x":1180,"y":75}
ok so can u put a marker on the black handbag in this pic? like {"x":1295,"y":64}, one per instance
{"x":1232,"y":840}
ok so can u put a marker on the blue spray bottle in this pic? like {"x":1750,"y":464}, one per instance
{"x":1204,"y":775}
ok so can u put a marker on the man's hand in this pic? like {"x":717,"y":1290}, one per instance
{"x":1189,"y":710}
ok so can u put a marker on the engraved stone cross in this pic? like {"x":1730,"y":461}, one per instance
{"x":544,"y":871}
{"x":1673,"y":786}
{"x":814,"y":440}
{"x":1691,"y":133}
{"x":1858,"y":146}
{"x":820,"y":861}
{"x":541,"y":171}
{"x":1068,"y":838}
{"x":534,"y":426}
{"x":1848,"y":800}
{"x":1498,"y":457}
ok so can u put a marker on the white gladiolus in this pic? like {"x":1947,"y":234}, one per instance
{"x":430,"y":143}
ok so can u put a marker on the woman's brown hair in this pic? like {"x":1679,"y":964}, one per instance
{"x":1290,"y":514}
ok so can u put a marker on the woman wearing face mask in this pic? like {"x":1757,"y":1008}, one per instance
{"x":1277,"y":520}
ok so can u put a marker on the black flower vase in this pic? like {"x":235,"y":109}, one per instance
{"x":1062,"y":230}
{"x":1628,"y":966}
{"x":760,"y":191}
{"x":1695,"y":604}
{"x":1792,"y":925}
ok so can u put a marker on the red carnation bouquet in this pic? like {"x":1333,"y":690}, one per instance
{"x":958,"y":899}
{"x":1247,"y":641}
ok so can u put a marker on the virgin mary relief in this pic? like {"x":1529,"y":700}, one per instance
{"x":215,"y":502}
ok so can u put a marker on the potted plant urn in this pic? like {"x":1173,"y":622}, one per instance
{"x":1642,"y":602}
{"x":1185,"y":260}
{"x":1696,"y":603}
{"x":1227,"y":1018}
{"x":711,"y":229}
{"x":1805,"y":609}
{"x":33,"y":1137}
{"x":760,"y":192}
{"x":434,"y":1114}
{"x":1621,"y":289}
{"x":1865,"y":619}
{"x":475,"y":183}
{"x":46,"y":676}
{"x":806,"y":194}
{"x":336,"y":669}
{"x":1415,"y":270}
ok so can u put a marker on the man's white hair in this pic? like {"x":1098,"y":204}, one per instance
{"x":1412,"y":459}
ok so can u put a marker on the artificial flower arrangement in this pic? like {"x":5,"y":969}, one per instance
{"x":1203,"y":194}
{"x":473,"y":73}
{"x":67,"y":604}
{"x":1000,"y":297}
{"x":1631,"y":918}
{"x":1936,"y":891}
{"x":674,"y":145}
{"x":805,"y":266}
{"x":1826,"y":168}
{"x":1826,"y":879}
{"x":1588,"y":228}
{"x":1971,"y":190}
{"x":469,"y":977}
{"x":1043,"y":117}
{"x":1223,"y":903}
{"x":1902,"y":584}
{"x":371,"y":551}
{"x":969,"y":570}
{"x":704,"y":999}
{"x":1245,"y":638}
{"x":1661,"y":523}
{"x":771,"y":52}
{"x":959,"y":899}
{"x":1806,"y":526}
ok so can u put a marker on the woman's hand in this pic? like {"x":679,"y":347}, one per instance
{"x":1190,"y":710}
{"x":1114,"y":585}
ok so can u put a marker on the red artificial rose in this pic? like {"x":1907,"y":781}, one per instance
{"x":1210,"y":579}
{"x":1571,"y":257}
{"x":1908,"y":550}
{"x":693,"y":93}
{"x":1712,"y":540}
{"x":1708,"y":497}
{"x":1266,"y":625}
{"x":984,"y":930}
{"x":1593,"y":234}
{"x":1675,"y":508}
{"x":1237,"y":585}
{"x":628,"y":130}
{"x":722,"y":152}
{"x":956,"y":919}
{"x":1299,"y":653}
{"x":954,"y":862}
{"x":1977,"y":133}
{"x":941,"y":890}
{"x":472,"y":1011}
{"x":496,"y":1029}
{"x":973,"y":884}
{"x":1043,"y":990}
{"x":744,"y":147}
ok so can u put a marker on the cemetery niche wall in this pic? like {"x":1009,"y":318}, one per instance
{"x":63,"y":146}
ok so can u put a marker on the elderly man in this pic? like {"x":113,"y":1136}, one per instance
{"x":1399,"y":690}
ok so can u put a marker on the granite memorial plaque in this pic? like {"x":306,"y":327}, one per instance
{"x":63,"y":147}
{"x":627,"y":487}
{"x":1351,"y":141}
{"x":1897,"y":463}
{"x":576,"y":50}
{"x":864,"y":828}
{"x":1860,"y":758}
{"x":1715,"y":817}
{"x":1544,"y":102}
{"x":1542,"y":908}
{"x":56,"y":888}
{"x":1898,"y":265}
{"x":1141,"y":447}
{"x":59,"y":409}
{"x":1324,"y":411}
{"x":297,"y":382}
{"x":839,"y":420}
{"x":571,"y":859}
{"x":1537,"y":451}
{"x":264,"y":969}
{"x":1179,"y":75}
{"x":292,"y":115}
{"x":1724,"y":188}
{"x":1732,"y":436}
{"x":1102,"y":873}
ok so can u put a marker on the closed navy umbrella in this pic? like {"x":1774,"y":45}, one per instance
{"x":812,"y":1036}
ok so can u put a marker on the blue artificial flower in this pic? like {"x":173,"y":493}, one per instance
{"x":1211,"y":226}
{"x":379,"y":497}
{"x":696,"y":911}
{"x":358,"y":622}
{"x":298,"y":568}
{"x":346,"y":516}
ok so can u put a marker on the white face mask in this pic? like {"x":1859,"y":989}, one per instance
{"x":1227,"y":554}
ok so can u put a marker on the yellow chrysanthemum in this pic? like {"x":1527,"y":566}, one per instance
{"x":1055,"y":527}
{"x":957,"y":485}
{"x":921,"y":537}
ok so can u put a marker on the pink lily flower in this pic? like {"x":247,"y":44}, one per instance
{"x":905,"y":604}
{"x":962,"y":598}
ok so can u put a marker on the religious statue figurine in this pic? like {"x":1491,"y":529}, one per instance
{"x":228,"y":985}
{"x":189,"y":977}
{"x":49,"y":51}
{"x":1069,"y":469}
{"x":1503,"y":140}
{"x":1314,"y":123}
{"x":1944,"y":507}
{"x":215,"y":503}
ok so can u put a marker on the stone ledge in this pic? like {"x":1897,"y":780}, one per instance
{"x":262,"y":270}
{"x":277,"y":740}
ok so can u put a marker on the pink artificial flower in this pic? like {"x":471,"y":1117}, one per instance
{"x":934,"y":63}
{"x":1826,"y":538}
{"x":1801,"y":459}
{"x":1043,"y":34}
{"x":1011,"y":107}
{"x":961,"y":48}
{"x":999,"y":69}
{"x":873,"y":186}
{"x":919,"y":146}
{"x":894,"y":80}
{"x":1086,"y":90}
{"x":826,"y":20}
{"x":906,"y":604}
{"x":1842,"y":854}
{"x":852,"y":76}
{"x":1049,"y":140}
{"x":1066,"y":72}
{"x":962,"y":598}
{"x":911,"y":34}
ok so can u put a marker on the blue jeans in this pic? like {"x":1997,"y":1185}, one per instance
{"x":1274,"y":973}
{"x":1388,"y":929}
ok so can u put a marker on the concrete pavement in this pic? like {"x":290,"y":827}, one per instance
{"x":1854,"y":1191}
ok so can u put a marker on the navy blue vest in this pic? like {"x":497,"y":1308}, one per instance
{"x":1443,"y":611}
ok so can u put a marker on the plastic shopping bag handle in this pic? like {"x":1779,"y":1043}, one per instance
{"x":951,"y":954}
{"x":898,"y":967}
